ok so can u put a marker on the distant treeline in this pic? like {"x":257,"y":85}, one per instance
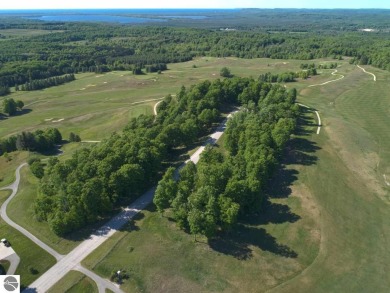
{"x":37,"y":141}
{"x":104,"y":47}
{"x":45,"y":83}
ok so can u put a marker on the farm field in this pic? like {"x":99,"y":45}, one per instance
{"x":325,"y":228}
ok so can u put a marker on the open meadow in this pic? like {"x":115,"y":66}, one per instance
{"x":324,"y":228}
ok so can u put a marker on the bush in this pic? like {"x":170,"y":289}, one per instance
{"x":225,"y":72}
{"x":33,"y":270}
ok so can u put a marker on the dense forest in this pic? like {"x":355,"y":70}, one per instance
{"x":79,"y":47}
{"x":96,"y":180}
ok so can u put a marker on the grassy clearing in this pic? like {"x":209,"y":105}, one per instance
{"x":8,"y":165}
{"x":31,"y":255}
{"x":18,"y":33}
{"x":74,"y":281}
{"x":265,"y":249}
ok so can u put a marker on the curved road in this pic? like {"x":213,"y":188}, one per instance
{"x":3,"y":212}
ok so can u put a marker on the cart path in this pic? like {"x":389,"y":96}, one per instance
{"x":333,"y":73}
{"x":318,"y":116}
{"x":367,"y":72}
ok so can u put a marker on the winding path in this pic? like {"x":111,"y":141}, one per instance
{"x":3,"y":212}
{"x":155,"y":108}
{"x":367,"y":72}
{"x":333,"y":73}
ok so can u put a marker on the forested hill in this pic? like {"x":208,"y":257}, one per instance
{"x":77,"y":47}
{"x":97,"y":180}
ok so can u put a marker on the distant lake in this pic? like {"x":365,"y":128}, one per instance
{"x":94,"y":18}
{"x":117,"y":15}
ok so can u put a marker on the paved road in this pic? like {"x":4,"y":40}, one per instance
{"x":7,"y":253}
{"x":72,"y":260}
{"x":3,"y":212}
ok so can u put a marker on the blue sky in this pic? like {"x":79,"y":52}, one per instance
{"x":39,"y":4}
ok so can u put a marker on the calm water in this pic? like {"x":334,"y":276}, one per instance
{"x":117,"y":15}
{"x":93,"y":18}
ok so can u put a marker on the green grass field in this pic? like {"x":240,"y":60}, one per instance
{"x":326,"y":227}
{"x":31,"y":255}
{"x":74,"y":282}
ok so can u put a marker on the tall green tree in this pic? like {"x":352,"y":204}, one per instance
{"x":166,"y":191}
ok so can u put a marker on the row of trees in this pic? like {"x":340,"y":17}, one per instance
{"x":210,"y":196}
{"x":96,"y":180}
{"x":45,"y":83}
{"x":11,"y":107}
{"x":287,"y":76}
{"x":156,"y":67}
{"x":37,"y":141}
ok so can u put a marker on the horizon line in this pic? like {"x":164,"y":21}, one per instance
{"x":193,"y":8}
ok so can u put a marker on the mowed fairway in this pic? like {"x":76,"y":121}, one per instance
{"x":95,"y":105}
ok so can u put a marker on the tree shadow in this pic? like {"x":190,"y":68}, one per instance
{"x":3,"y":117}
{"x":22,"y":112}
{"x":238,"y":243}
{"x":272,"y":213}
{"x":249,"y":233}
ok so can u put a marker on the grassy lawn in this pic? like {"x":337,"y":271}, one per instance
{"x":74,"y":281}
{"x":8,"y":165}
{"x":31,"y":255}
